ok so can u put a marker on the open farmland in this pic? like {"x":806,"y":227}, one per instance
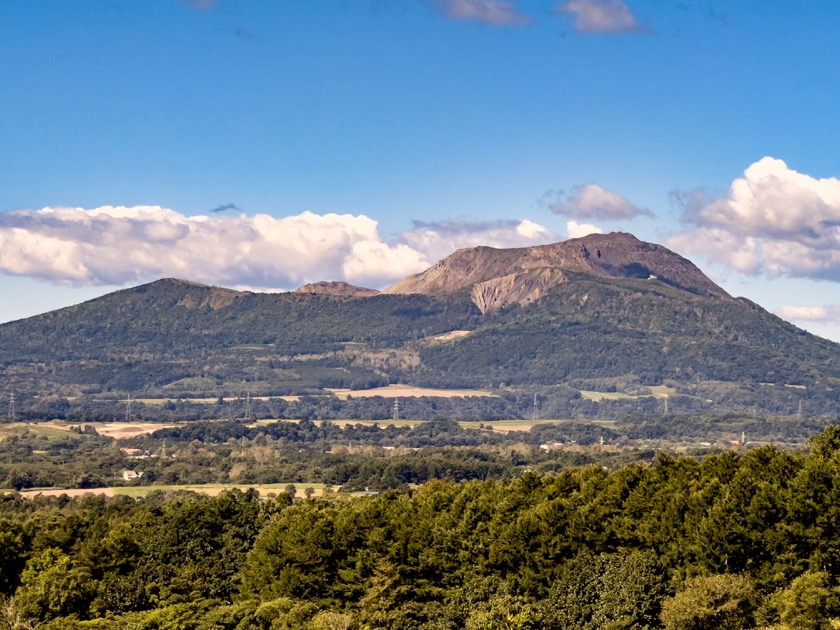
{"x":208,"y":489}
{"x":407,"y":391}
{"x":507,"y":426}
{"x":116,"y":430}
{"x":211,"y":400}
{"x":656,"y":391}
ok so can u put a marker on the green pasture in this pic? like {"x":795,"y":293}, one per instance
{"x":50,"y":432}
{"x":524,"y":425}
{"x":657,"y":391}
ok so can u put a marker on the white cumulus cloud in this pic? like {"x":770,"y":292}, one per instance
{"x":774,"y":220}
{"x":439,"y":239}
{"x":602,"y":16}
{"x":591,"y":201}
{"x":578,"y":230}
{"x":119,"y":245}
{"x":719,"y":245}
{"x":825,"y":314}
{"x":494,"y":12}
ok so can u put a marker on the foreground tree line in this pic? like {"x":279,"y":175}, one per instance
{"x":732,"y":540}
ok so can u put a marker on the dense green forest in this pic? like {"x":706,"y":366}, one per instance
{"x":730,"y":540}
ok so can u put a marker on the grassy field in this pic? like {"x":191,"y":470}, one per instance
{"x":47,"y":430}
{"x":369,"y":423}
{"x":506,"y":426}
{"x":599,"y":396}
{"x":657,"y":391}
{"x":210,"y":401}
{"x":662,"y":391}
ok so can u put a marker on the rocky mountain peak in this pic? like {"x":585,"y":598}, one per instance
{"x":498,"y":277}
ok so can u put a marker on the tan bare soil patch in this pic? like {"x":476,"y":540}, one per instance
{"x":407,"y":391}
{"x":73,"y":492}
{"x":116,"y":430}
{"x":452,"y":335}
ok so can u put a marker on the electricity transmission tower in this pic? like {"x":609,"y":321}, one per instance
{"x":247,"y":406}
{"x":12,"y":407}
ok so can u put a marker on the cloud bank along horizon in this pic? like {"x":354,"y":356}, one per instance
{"x":121,"y":245}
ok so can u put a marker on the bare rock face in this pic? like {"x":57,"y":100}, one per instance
{"x":498,"y":277}
{"x":521,"y":288}
{"x":214,"y":298}
{"x":336,"y":289}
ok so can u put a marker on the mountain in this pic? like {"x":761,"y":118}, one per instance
{"x":337,"y":289}
{"x":605,"y":313}
{"x":499,"y":277}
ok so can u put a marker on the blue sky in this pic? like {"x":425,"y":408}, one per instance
{"x":265,"y":144}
